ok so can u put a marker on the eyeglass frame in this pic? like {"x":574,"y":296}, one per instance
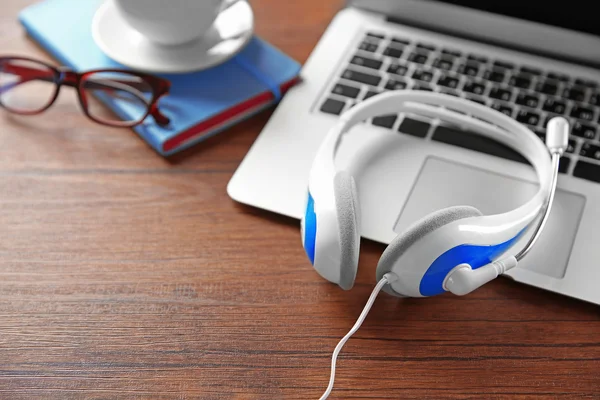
{"x":68,"y":77}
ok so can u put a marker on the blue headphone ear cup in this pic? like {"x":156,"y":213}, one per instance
{"x":416,"y":231}
{"x":348,"y":211}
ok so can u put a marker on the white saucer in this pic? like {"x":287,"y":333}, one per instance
{"x":230,"y":32}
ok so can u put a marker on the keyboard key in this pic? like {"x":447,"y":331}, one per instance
{"x":454,"y":53}
{"x":414,"y":127}
{"x":375,"y":35}
{"x":571,"y":146}
{"x":473,"y":141}
{"x":400,"y":41}
{"x":476,"y":99}
{"x":370,"y":94}
{"x":527,"y":99}
{"x":558,"y":76}
{"x":554,"y":105}
{"x":418,"y":58}
{"x":531,"y":70}
{"x":385,"y":121}
{"x":448,"y":81}
{"x":594,"y":99}
{"x":422,"y":86}
{"x":500,"y":94}
{"x":590,"y":151}
{"x":503,"y":108}
{"x":368,"y":46}
{"x":366,"y":62}
{"x":563,"y":165}
{"x":425,"y":46}
{"x":583,"y":130}
{"x":444,"y":63}
{"x":587,"y":171}
{"x":547,"y":87}
{"x":503,"y":64}
{"x":361,"y":77}
{"x":477,"y":58}
{"x":574,"y":93}
{"x":474,"y":87}
{"x":520,"y":81}
{"x":469,"y":69}
{"x":345,"y":90}
{"x":393,"y":52}
{"x":421,"y":75}
{"x":397,"y":69}
{"x":528,"y":117}
{"x":494,"y":75}
{"x":395,"y":84}
{"x":586,"y":82}
{"x":332,"y":106}
{"x":581,"y":112}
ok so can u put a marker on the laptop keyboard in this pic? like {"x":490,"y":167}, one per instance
{"x":526,"y":93}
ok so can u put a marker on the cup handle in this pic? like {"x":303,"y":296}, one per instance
{"x":226,"y":4}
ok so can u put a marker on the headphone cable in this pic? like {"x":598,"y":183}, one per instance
{"x":387,"y":278}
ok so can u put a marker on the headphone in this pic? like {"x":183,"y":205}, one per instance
{"x":444,"y":250}
{"x":456,"y":249}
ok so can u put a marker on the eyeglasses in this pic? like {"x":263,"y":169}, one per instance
{"x":30,"y":87}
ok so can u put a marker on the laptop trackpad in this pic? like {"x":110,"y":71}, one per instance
{"x":442,"y":183}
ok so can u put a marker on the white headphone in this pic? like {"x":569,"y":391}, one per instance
{"x":453,"y":249}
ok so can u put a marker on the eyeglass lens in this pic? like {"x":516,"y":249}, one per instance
{"x":128,"y":93}
{"x":26,"y":86}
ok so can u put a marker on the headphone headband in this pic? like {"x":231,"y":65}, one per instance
{"x":500,"y":127}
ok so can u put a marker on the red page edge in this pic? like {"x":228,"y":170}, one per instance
{"x":206,"y":125}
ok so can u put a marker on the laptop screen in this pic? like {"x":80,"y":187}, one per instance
{"x":564,"y":31}
{"x":571,"y":15}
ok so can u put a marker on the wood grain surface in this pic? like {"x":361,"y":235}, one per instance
{"x":124,"y":275}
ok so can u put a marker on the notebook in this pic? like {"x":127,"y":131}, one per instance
{"x":200,"y":104}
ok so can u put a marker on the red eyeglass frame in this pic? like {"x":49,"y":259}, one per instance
{"x":66,"y":76}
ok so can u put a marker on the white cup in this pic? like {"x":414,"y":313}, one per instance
{"x":172,"y":22}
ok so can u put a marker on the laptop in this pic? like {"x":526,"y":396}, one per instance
{"x":531,"y":62}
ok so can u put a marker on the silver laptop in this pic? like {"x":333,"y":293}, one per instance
{"x":529,"y":61}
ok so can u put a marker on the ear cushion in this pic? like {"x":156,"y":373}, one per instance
{"x":346,"y":202}
{"x":418,"y":230}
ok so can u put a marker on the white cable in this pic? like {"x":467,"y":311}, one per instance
{"x":387,"y":278}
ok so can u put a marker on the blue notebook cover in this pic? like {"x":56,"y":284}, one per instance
{"x":200,"y":104}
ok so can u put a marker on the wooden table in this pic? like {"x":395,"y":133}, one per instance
{"x":124,"y":275}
